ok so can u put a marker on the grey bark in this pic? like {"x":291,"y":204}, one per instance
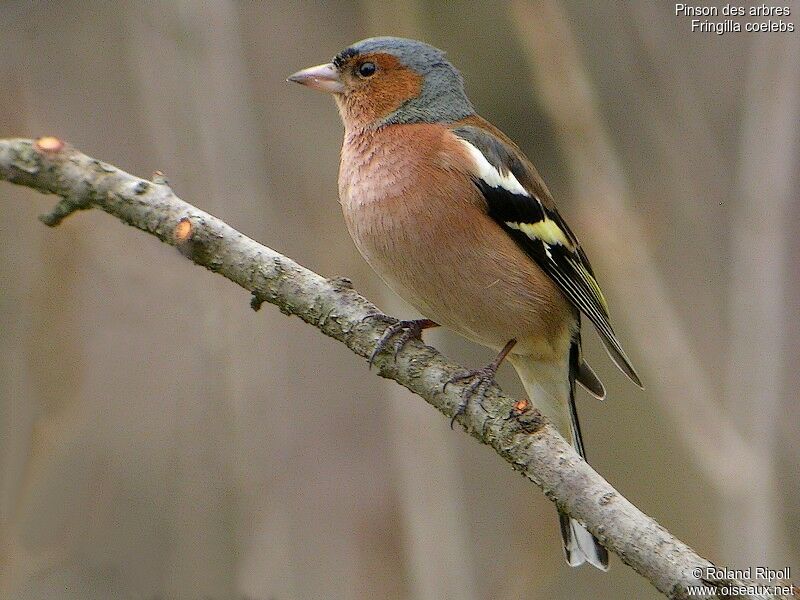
{"x":526,"y":440}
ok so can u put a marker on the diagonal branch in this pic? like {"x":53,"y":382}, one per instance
{"x":526,"y":439}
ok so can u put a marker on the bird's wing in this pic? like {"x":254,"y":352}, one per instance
{"x":520,"y":203}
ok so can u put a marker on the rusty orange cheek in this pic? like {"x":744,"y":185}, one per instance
{"x":394,"y":85}
{"x":400,"y":86}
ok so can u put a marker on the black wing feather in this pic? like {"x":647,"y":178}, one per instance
{"x":564,"y":261}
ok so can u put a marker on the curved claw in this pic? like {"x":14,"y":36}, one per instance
{"x":379,"y":316}
{"x":406,"y":334}
{"x":404,"y":330}
{"x":482,"y":378}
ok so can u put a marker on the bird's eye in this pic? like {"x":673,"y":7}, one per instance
{"x":367,"y":69}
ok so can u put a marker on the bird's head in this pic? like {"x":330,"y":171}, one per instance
{"x":385,"y":80}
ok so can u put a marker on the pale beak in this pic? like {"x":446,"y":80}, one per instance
{"x":324,"y":78}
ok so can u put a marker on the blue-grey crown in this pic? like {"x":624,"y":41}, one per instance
{"x":442,"y":98}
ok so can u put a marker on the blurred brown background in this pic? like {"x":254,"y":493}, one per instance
{"x":159,"y":439}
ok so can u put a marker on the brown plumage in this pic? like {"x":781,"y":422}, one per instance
{"x":455,"y":219}
{"x":415,"y":216}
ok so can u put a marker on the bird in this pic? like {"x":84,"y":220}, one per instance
{"x":454,"y":218}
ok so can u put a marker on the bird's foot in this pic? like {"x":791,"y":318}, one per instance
{"x":404,"y":331}
{"x":481,"y":379}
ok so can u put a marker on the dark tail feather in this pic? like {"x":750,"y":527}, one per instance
{"x":619,"y":357}
{"x":580,"y":546}
{"x":587,"y":378}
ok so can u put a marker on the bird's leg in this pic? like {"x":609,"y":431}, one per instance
{"x":481,"y":378}
{"x":404,"y":330}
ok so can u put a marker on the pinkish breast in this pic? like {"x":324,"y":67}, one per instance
{"x":418,"y":220}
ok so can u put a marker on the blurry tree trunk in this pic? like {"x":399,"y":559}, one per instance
{"x":210,"y":143}
{"x":759,"y":288}
{"x":598,"y":179}
{"x":66,"y":460}
{"x":282,"y":551}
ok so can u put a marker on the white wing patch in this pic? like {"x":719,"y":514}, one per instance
{"x":493,"y":177}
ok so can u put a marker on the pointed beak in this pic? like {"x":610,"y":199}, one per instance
{"x":324,"y":78}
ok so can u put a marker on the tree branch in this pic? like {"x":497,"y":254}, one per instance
{"x":525,"y":439}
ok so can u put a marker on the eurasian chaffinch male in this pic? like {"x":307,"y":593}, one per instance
{"x":456,"y":220}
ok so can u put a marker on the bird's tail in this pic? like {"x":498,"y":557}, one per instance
{"x":551,"y":388}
